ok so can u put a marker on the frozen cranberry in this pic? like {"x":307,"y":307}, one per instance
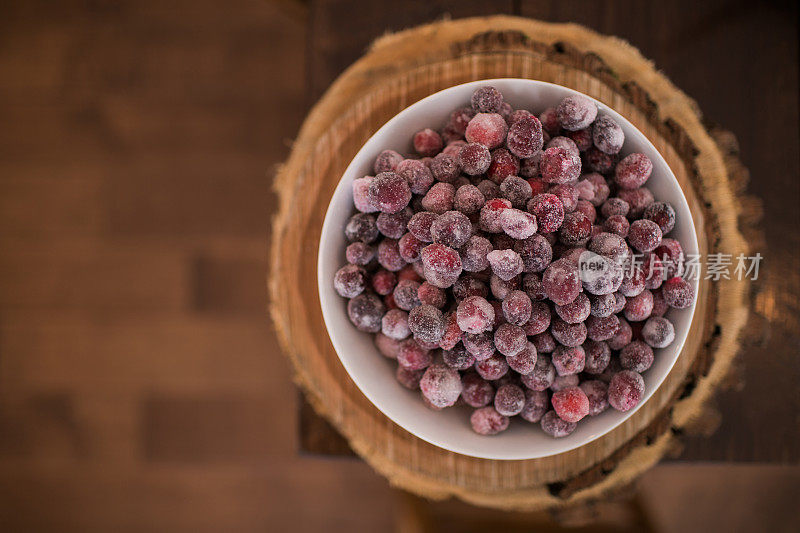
{"x":395,"y":324}
{"x":535,"y":252}
{"x":476,"y":391}
{"x":452,"y":333}
{"x":620,"y":302}
{"x":495,"y":367}
{"x":632,"y":281}
{"x":439,"y":198}
{"x":452,"y":229}
{"x":542,"y":375}
{"x":506,"y":264}
{"x":409,"y":378}
{"x":387,"y":161}
{"x":533,"y":286}
{"x":474,"y":252}
{"x":653,"y":271}
{"x":393,"y":225}
{"x":576,"y":229}
{"x":569,"y":360}
{"x":618,"y":225}
{"x":389,"y":192}
{"x":587,"y":209}
{"x":571,"y":404}
{"x":607,"y":135}
{"x":633,"y":171}
{"x":670,"y":253}
{"x":474,"y":159}
{"x":487,"y":99}
{"x":441,"y":385}
{"x":599,"y":274}
{"x":405,"y":294}
{"x":413,"y":356}
{"x":417,"y":174}
{"x":638,"y":199}
{"x":625,"y":390}
{"x":420,"y":225}
{"x":517,"y":308}
{"x":662,"y":214}
{"x":525,"y":361}
{"x":365,"y":312}
{"x":444,"y":167}
{"x":475,"y":315}
{"x":555,"y":426}
{"x":350,"y":281}
{"x":549,"y":212}
{"x":490,"y":215}
{"x":409,"y":248}
{"x":569,"y":335}
{"x":658,"y":332}
{"x":598,"y":355}
{"x":602,"y":305}
{"x":467,"y":286}
{"x":427,"y":142}
{"x":576,"y":112}
{"x":517,"y":191}
{"x":460,"y":118}
{"x":622,"y":337}
{"x":678,"y":293}
{"x":568,"y":196}
{"x":518,"y":224}
{"x":566,"y":143}
{"x":644,"y":235}
{"x":600,"y":162}
{"x":387,"y":346}
{"x":361,"y":227}
{"x":576,"y":311}
{"x":660,"y":305}
{"x":509,"y":400}
{"x":489,"y":189}
{"x":361,"y":195}
{"x":600,"y":188}
{"x":426,"y":323}
{"x":458,"y":358}
{"x":562,"y":281}
{"x":559,"y":166}
{"x":636,"y":356}
{"x":442,"y":265}
{"x":503,"y":164}
{"x":431,"y":295}
{"x":488,"y":129}
{"x":536,"y":405}
{"x":468,"y":199}
{"x":639,"y":307}
{"x":509,"y":339}
{"x":389,"y":255}
{"x":525,"y":137}
{"x":529,"y":167}
{"x":582,"y":138}
{"x":359,"y":253}
{"x":452,"y":148}
{"x":597,"y":393}
{"x":480,"y":345}
{"x":487,"y":421}
{"x":384,"y":282}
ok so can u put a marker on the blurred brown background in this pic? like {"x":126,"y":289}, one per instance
{"x":141,"y":385}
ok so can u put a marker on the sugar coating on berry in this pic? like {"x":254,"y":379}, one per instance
{"x":383,"y":282}
{"x":542,"y":375}
{"x":576,"y":112}
{"x":468,"y":199}
{"x":458,"y":358}
{"x":598,"y":355}
{"x":506,"y":264}
{"x":393,"y":225}
{"x":427,"y":142}
{"x":475,"y":315}
{"x":570,"y":404}
{"x":452,"y":229}
{"x":501,"y":288}
{"x":539,"y":320}
{"x":658,"y":332}
{"x":566,"y":143}
{"x":559,"y":166}
{"x":350,"y":281}
{"x":644,"y":235}
{"x":663,"y":214}
{"x":625,"y":390}
{"x":442,"y":265}
{"x":597,"y":393}
{"x":405,"y":294}
{"x":361,"y":227}
{"x":409,"y":247}
{"x":569,"y":360}
{"x":474,"y":159}
{"x":420,"y":225}
{"x":582,"y":138}
{"x":409,"y":378}
{"x":389,"y":255}
{"x":607,"y":135}
{"x":452,"y":333}
{"x":439,"y":198}
{"x":633,"y":171}
{"x":487,"y":421}
{"x":638,"y":199}
{"x":618,"y":225}
{"x":486,"y":99}
{"x":525,"y":137}
{"x":517,"y":308}
{"x":480,"y":345}
{"x":575,"y":230}
{"x":359,"y":253}
{"x":567,"y":194}
{"x":387,"y":161}
{"x":493,"y":368}
{"x":602,"y":305}
{"x":565,"y":382}
{"x":535,"y":252}
{"x":445,"y":168}
{"x":622,"y":337}
{"x":587,"y":209}
{"x":556,"y":427}
{"x":476,"y":391}
{"x":600,"y":162}
{"x":389,"y":192}
{"x":365,"y":312}
{"x":426,"y":323}
{"x":576,"y":311}
{"x":387,"y":346}
{"x":678,"y":293}
{"x":509,"y":400}
{"x":361,"y":195}
{"x":417,"y":174}
{"x":489,"y":189}
{"x":549,"y":211}
{"x":509,"y":339}
{"x":670,"y":252}
{"x":488,"y":129}
{"x":474,"y":252}
{"x":536,"y":405}
{"x":503,"y":165}
{"x":441,"y":385}
{"x":639,"y":307}
{"x":413,"y":356}
{"x":525,"y":361}
{"x":569,"y":335}
{"x":529,"y":167}
{"x":431,"y":295}
{"x":562,"y":281}
{"x":636,"y":356}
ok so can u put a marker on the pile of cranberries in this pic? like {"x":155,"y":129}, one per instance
{"x":517,"y":263}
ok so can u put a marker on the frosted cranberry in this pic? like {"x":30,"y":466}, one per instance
{"x":420,"y":225}
{"x":489,"y":189}
{"x":644,"y":235}
{"x":361,"y":195}
{"x":486,"y":99}
{"x":529,"y":167}
{"x":444,"y":167}
{"x":476,"y":391}
{"x":442,"y":265}
{"x":474,"y":159}
{"x":452,"y":149}
{"x":611,"y":246}
{"x":393,"y":225}
{"x":625,"y":390}
{"x":575,"y":229}
{"x":542,"y":375}
{"x":441,"y":385}
{"x":571,"y":404}
{"x":413,"y":356}
{"x":409,"y":248}
{"x":480,"y":345}
{"x":383,"y":282}
{"x":638,"y":199}
{"x":599,"y":186}
{"x":452,"y":229}
{"x":607,"y":135}
{"x":490,"y":215}
{"x":632,"y":281}
{"x":587,"y":209}
{"x":405,"y":294}
{"x":653,"y":270}
{"x":468,"y":199}
{"x":387,"y":161}
{"x":517,"y":115}
{"x":365,"y":312}
{"x":387,"y":346}
{"x":517,"y":308}
{"x":569,"y":335}
{"x":410,"y":272}
{"x":389,"y":192}
{"x":536,"y":405}
{"x":660,"y":305}
{"x":431,"y":295}
{"x":361,"y":227}
{"x":389,"y":255}
{"x":427,"y":142}
{"x":533,"y":286}
{"x":517,"y":191}
{"x":452,"y":333}
{"x":566,"y":143}
{"x":671,"y":254}
{"x":620,"y":302}
{"x":569,"y":360}
{"x":576,"y":311}
{"x":487,"y":421}
{"x":535,"y":252}
{"x":662,"y":214}
{"x":615,"y":206}
{"x":503,"y":164}
{"x":510,"y":339}
{"x":488,"y":129}
{"x":582,"y":138}
{"x":495,"y":367}
{"x":639,"y":307}
{"x":506,"y":264}
{"x":568,"y":196}
{"x":460,"y":118}
{"x":549,"y":121}
{"x":618,"y":225}
{"x":636,"y":356}
{"x":525,"y":361}
{"x":598,"y":355}
{"x":562,"y":281}
{"x":394,"y":324}
{"x":539,"y":320}
{"x":458,"y":358}
{"x":678,"y":293}
{"x":474,"y":252}
{"x":426,"y":323}
{"x":439,"y":198}
{"x":658,"y":332}
{"x":409,"y":378}
{"x":417,"y":174}
{"x":602,"y":305}
{"x":509,"y":400}
{"x":555,"y":426}
{"x":559,"y":166}
{"x":525,"y":137}
{"x":633,"y":171}
{"x":599,"y":274}
{"x":359,"y":253}
{"x":585,"y":189}
{"x":350,"y":281}
{"x":518,"y":224}
{"x":622,"y":337}
{"x":576,"y":112}
{"x":475,"y":315}
{"x":549,"y":211}
{"x":597,"y":393}
{"x":600,"y":162}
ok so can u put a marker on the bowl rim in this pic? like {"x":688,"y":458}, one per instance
{"x":323,"y":282}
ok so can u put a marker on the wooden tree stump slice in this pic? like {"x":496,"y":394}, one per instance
{"x":396,"y":72}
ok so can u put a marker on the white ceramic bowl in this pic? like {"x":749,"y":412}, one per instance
{"x":374,"y":374}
